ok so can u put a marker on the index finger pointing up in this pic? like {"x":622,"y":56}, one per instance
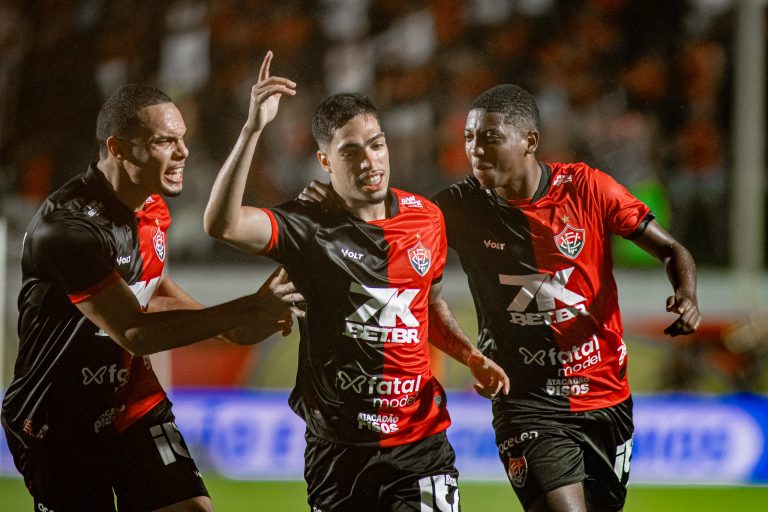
{"x":264,"y":71}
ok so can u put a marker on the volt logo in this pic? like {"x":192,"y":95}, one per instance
{"x":387,"y":300}
{"x":351,"y":254}
{"x":169,"y":442}
{"x":490,"y":244}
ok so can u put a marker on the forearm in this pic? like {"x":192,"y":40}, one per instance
{"x":222,"y":213}
{"x":446,"y":334}
{"x":164,"y":330}
{"x":681,"y":270}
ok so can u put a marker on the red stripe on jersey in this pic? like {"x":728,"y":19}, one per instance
{"x":136,"y":410}
{"x":275,"y":232}
{"x":142,"y":391}
{"x":77,"y":298}
{"x":569,"y":227}
{"x":417,"y":251}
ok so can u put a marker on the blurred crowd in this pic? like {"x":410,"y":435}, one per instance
{"x":639,"y":89}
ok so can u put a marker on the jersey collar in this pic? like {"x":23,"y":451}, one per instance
{"x":96,"y":181}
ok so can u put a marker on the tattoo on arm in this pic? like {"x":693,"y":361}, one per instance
{"x":446,"y":334}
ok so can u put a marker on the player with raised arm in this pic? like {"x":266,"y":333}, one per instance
{"x":370,"y":272}
{"x":85,"y":417}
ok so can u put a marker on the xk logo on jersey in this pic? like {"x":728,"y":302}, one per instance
{"x":390,"y":304}
{"x":420,"y":258}
{"x":570,"y":241}
{"x":546,"y":289}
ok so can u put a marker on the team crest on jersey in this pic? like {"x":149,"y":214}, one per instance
{"x":420,"y":258}
{"x":517,"y":470}
{"x":158,"y":240}
{"x":570,"y":241}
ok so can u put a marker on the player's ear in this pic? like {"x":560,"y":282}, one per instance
{"x":322,"y":157}
{"x":532,"y":141}
{"x":115,"y":147}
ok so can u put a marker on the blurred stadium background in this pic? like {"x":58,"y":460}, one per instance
{"x":668,"y":96}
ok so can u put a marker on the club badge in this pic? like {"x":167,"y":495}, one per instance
{"x":420,"y":258}
{"x":570,"y":241}
{"x":517,"y":470}
{"x":158,"y":240}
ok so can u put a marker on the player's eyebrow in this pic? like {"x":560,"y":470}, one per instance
{"x":354,"y":145}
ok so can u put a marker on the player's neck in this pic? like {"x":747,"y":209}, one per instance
{"x":127,"y":192}
{"x":522,"y":185}
{"x":369,"y":212}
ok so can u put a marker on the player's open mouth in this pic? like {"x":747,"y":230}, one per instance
{"x":373,"y":180}
{"x":175,"y":175}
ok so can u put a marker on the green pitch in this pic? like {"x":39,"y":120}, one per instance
{"x":243,"y":496}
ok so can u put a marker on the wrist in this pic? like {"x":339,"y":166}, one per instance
{"x":250,"y":130}
{"x":475,"y":356}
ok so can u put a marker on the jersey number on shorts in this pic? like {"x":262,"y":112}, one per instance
{"x":623,"y":457}
{"x":439,"y":493}
{"x":168,"y":440}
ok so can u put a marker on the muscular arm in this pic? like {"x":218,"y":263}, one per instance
{"x":170,"y":296}
{"x":446,"y":334}
{"x":115,"y":310}
{"x":225,"y":218}
{"x":681,"y":272}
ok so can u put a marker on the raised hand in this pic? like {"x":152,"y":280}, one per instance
{"x":323,"y":193}
{"x":277,"y":301}
{"x":265,"y":96}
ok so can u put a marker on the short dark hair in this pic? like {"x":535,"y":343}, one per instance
{"x":119,"y":115}
{"x":336,"y":111}
{"x":515,"y":103}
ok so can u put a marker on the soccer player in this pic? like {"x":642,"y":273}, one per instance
{"x":370,"y":271}
{"x":534,"y":241}
{"x":86,"y":420}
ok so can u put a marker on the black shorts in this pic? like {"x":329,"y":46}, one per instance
{"x":420,"y":476}
{"x":542,"y":451}
{"x":144,"y":468}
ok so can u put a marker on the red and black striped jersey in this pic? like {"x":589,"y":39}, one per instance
{"x":69,"y":375}
{"x":541,"y":275}
{"x":364,"y":376}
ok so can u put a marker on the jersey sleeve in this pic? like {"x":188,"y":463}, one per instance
{"x":449,"y":202}
{"x":71,"y":253}
{"x":441,"y":250}
{"x":292,"y":227}
{"x":624,"y":214}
